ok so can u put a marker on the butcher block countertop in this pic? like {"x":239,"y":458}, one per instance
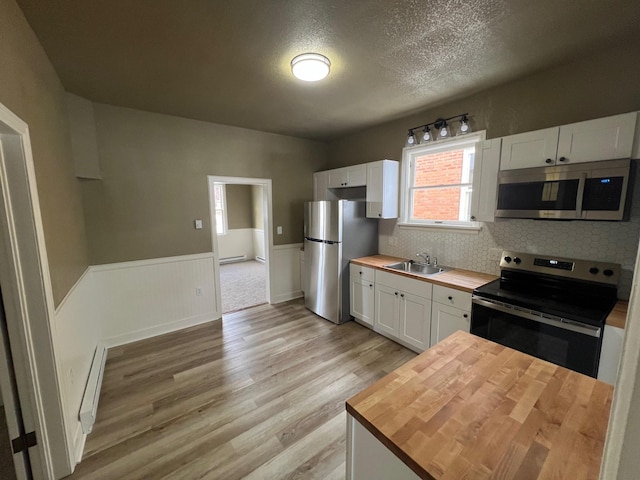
{"x":470,"y":408}
{"x":618,"y":316}
{"x":464,"y":280}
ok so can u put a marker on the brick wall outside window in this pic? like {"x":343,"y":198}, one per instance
{"x":438,"y":169}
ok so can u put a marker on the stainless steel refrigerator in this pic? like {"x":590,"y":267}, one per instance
{"x":334,"y":233}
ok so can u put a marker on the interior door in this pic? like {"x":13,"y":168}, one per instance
{"x":12,"y":414}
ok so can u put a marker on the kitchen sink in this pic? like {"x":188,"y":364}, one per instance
{"x":415,"y":267}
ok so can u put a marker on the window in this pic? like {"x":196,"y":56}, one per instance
{"x":437,"y":182}
{"x":220,"y":200}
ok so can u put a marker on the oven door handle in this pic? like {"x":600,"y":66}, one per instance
{"x":539,"y":317}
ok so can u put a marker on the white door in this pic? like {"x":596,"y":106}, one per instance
{"x":11,"y":408}
{"x":415,"y":320}
{"x":386,"y":310}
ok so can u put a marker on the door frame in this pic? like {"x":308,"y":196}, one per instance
{"x":267,"y":213}
{"x":28,"y":302}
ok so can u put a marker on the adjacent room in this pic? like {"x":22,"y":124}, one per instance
{"x":317,"y":239}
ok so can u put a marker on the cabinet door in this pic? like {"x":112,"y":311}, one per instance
{"x":337,"y":178}
{"x":357,"y":176}
{"x":446,"y":320}
{"x":382,"y":189}
{"x":386,"y":310}
{"x":320,"y":186}
{"x":362,"y":299}
{"x":601,"y":139}
{"x":485,"y":180}
{"x":415,"y":320}
{"x":530,"y":149}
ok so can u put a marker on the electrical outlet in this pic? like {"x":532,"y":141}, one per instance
{"x":279,"y":230}
{"x":495,"y":253}
{"x":198,"y":291}
{"x":393,"y":241}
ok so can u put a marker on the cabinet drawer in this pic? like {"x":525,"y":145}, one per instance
{"x":366,"y":273}
{"x":452,"y":297}
{"x":405,"y":284}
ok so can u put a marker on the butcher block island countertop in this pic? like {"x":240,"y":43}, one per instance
{"x":459,"y":279}
{"x":470,"y":408}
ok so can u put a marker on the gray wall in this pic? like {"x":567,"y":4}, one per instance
{"x":154,"y":170}
{"x":604,"y":83}
{"x":31,"y":89}
{"x":239,"y":206}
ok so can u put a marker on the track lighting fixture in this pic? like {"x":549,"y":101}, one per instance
{"x":441,"y":130}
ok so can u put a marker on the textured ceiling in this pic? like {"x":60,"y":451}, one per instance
{"x":228,"y":61}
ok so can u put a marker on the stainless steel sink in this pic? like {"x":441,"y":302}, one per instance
{"x":415,"y":267}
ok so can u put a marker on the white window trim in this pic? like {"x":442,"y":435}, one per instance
{"x":408,"y":154}
{"x":223,"y":208}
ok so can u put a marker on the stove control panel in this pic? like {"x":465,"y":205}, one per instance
{"x":590,"y":270}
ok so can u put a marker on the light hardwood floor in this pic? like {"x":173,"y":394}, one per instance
{"x":259,"y":395}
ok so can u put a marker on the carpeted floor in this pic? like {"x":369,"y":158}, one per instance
{"x":6,"y":460}
{"x":243,"y":285}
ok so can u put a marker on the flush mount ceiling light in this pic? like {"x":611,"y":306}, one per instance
{"x":310,"y":67}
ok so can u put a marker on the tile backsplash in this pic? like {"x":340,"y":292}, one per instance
{"x":480,"y":251}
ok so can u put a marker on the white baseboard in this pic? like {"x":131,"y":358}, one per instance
{"x":156,"y":330}
{"x":285,"y":297}
{"x":80,"y":439}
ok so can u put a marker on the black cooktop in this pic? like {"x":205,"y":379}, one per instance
{"x":584,"y":302}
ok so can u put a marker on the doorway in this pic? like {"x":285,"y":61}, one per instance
{"x":241,"y":238}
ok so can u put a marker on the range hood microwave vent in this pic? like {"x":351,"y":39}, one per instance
{"x":582,"y":191}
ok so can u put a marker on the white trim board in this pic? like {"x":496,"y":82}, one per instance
{"x":28,"y":302}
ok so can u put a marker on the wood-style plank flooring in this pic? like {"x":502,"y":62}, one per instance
{"x":259,"y":395}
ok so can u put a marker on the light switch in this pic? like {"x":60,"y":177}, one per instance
{"x":279,"y":229}
{"x":198,"y":224}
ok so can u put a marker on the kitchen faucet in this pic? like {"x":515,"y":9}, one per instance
{"x":424,"y":256}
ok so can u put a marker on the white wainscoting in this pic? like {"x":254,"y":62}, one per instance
{"x":236,"y":243}
{"x":142,"y":299}
{"x":258,"y":242}
{"x":285,"y":272}
{"x":77,"y":327}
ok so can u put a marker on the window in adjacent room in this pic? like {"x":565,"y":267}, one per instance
{"x":220,"y":199}
{"x":437,"y":181}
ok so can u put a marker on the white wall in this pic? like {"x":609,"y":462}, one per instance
{"x":258,"y":242}
{"x":145,"y":298}
{"x":77,"y":328}
{"x":285,"y":268}
{"x":237,"y":242}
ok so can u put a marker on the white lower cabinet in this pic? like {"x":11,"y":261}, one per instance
{"x":451,"y":311}
{"x":369,"y":459}
{"x":446,"y":320}
{"x":403,"y":309}
{"x":362,"y":299}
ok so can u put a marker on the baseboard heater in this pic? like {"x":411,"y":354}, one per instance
{"x":239,"y":258}
{"x":89,"y":407}
{"x":260,"y":259}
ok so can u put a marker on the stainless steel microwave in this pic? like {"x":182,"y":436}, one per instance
{"x":581,"y":191}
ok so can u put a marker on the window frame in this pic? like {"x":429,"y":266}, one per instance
{"x":409,"y":154}
{"x":222,"y":208}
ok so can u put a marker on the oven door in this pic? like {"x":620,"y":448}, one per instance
{"x":570,"y":344}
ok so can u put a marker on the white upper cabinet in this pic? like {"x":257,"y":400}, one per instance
{"x":380,"y":178}
{"x":602,"y":139}
{"x":355,"y":176}
{"x":529,"y":149}
{"x":382,"y":189}
{"x":606,"y":138}
{"x":485,"y":180}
